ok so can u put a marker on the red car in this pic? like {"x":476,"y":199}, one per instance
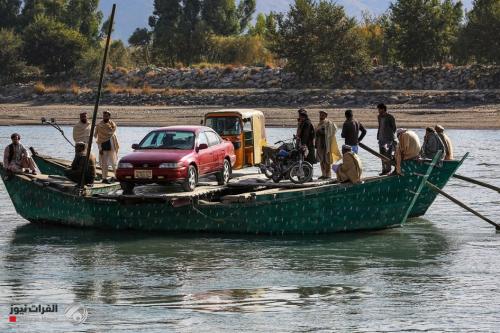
{"x":177,"y":154}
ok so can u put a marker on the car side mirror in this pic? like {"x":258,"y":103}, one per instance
{"x":202,"y":146}
{"x":135,"y":146}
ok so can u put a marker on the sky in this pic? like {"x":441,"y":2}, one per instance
{"x":132,"y":14}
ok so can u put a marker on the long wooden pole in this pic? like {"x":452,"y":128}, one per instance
{"x":461,"y":204}
{"x":368,"y":149}
{"x":477,"y":182}
{"x":99,"y":88}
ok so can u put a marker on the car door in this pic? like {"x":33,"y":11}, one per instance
{"x":214,"y":141}
{"x":205,"y":156}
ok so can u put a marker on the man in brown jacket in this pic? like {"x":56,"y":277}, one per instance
{"x":351,"y":169}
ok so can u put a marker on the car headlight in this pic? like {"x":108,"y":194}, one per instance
{"x":125,"y":165}
{"x":170,"y":165}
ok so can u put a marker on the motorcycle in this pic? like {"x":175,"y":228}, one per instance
{"x":286,"y":162}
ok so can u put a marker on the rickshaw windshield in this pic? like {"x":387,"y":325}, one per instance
{"x":225,"y":125}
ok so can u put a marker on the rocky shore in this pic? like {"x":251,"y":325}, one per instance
{"x":266,"y":97}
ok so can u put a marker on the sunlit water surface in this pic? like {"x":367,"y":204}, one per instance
{"x":438,"y":273}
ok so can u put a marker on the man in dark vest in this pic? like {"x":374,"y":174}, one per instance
{"x":386,"y":136}
{"x":75,"y":174}
{"x":16,"y":158}
{"x":305,"y":133}
{"x":350,"y":131}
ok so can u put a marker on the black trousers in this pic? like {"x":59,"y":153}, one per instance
{"x":388,"y":152}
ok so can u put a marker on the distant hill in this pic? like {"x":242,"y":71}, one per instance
{"x":132,"y":14}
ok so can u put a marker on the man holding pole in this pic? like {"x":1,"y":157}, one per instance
{"x":105,"y":132}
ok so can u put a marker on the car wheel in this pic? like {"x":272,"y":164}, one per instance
{"x":128,"y":188}
{"x":224,"y":175}
{"x":190,"y":183}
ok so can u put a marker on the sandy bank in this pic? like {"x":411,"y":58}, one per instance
{"x":413,"y":116}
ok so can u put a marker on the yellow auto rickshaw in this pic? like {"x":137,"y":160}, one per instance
{"x":245,"y":128}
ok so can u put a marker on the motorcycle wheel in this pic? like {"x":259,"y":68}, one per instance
{"x":301,"y":175}
{"x":276,"y":178}
{"x":267,"y":170}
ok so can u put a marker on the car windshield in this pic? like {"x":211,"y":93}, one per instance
{"x":168,"y":140}
{"x":225,"y":125}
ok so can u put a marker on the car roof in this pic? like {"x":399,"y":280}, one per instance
{"x":187,"y":128}
{"x":244,"y":113}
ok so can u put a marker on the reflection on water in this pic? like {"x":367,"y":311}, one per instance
{"x":439,"y":273}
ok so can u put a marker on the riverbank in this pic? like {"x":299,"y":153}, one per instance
{"x":485,"y":116}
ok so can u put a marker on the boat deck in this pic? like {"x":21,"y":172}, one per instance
{"x":244,"y":185}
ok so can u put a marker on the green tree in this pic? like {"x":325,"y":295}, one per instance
{"x":118,"y":54}
{"x":372,"y":31}
{"x":259,"y":29}
{"x":192,"y":32}
{"x":54,"y":9}
{"x":246,"y":9}
{"x":481,"y":33}
{"x":422,"y":32}
{"x":85,"y":17}
{"x":221,"y":17}
{"x":52,"y":45}
{"x":165,"y":25}
{"x":319,"y":41}
{"x":10,"y":55}
{"x":141,"y":41}
{"x":9,"y":12}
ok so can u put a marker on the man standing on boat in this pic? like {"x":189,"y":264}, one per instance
{"x":350,"y":131}
{"x":350,"y":170}
{"x":305,"y":133}
{"x":16,"y":158}
{"x":75,"y":174}
{"x":81,"y":131}
{"x":327,"y":151}
{"x":386,"y":136}
{"x":432,"y":144}
{"x":105,"y":132}
{"x":446,"y":141}
{"x":408,"y":147}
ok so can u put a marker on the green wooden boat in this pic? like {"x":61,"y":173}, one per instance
{"x":377,"y":203}
{"x":440,"y":176}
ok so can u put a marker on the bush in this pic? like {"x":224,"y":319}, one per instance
{"x":10,"y":53}
{"x":39,"y":88}
{"x":90,"y":64}
{"x":248,"y":50}
{"x":53,"y":46}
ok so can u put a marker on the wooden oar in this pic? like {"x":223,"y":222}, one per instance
{"x":477,"y":182}
{"x":368,"y":149}
{"x":376,"y":153}
{"x":461,"y":204}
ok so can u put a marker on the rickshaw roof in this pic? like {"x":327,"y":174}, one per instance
{"x":244,"y":113}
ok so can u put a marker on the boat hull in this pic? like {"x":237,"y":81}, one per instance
{"x":376,"y":204}
{"x":440,"y":176}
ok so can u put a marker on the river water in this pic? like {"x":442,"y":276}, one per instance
{"x":437,"y":273}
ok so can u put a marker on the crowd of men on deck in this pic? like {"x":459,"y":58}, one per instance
{"x":397,"y":145}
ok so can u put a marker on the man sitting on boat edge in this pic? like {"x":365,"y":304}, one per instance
{"x":78,"y":164}
{"x":16,"y":158}
{"x":407,"y":149}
